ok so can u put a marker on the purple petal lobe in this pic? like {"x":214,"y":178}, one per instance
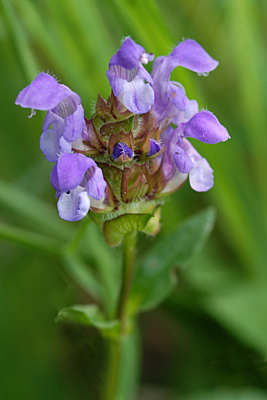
{"x":143,"y":74}
{"x":130,"y":55}
{"x":182,"y":160}
{"x":184,"y":116}
{"x":125,"y":74}
{"x":69,"y":171}
{"x":168,"y":164}
{"x":65,"y":146}
{"x":74,"y":124}
{"x":201,"y":176}
{"x":115,"y":82}
{"x":189,"y":54}
{"x":205,"y":127}
{"x":49,"y":141}
{"x":96,"y":184}
{"x":73,"y":205}
{"x":44,"y":93}
{"x":137,"y":96}
{"x":177,"y":96}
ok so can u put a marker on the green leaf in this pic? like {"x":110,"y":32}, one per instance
{"x":155,"y":277}
{"x":115,"y":229}
{"x":89,"y":314}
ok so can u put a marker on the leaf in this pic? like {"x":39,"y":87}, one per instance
{"x":115,"y":229}
{"x":89,"y":314}
{"x":155,"y":277}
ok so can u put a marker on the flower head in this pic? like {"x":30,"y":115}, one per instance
{"x":135,"y":149}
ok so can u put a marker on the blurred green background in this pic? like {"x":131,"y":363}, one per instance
{"x":209,"y":340}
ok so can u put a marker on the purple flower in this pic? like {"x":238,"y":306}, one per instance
{"x":63,"y":106}
{"x":180,"y":157}
{"x":127,"y":77}
{"x":79,"y":183}
{"x":170,"y":96}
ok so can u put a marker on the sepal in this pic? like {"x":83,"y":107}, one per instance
{"x":142,"y":217}
{"x":136,"y":183}
{"x":115,"y":229}
{"x":118,"y":110}
{"x":102,"y":107}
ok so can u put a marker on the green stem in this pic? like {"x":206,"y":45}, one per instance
{"x":115,"y":350}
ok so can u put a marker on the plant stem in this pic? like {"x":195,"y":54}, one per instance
{"x":115,"y":350}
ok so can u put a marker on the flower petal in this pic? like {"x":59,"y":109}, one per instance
{"x":201,"y":176}
{"x":168,"y":163}
{"x":116,"y":82}
{"x":44,"y":93}
{"x":177,"y":96}
{"x":96,"y":184}
{"x":130,"y":55}
{"x":184,"y":116}
{"x":189,"y":54}
{"x":74,"y":124}
{"x":143,"y":74}
{"x":69,"y":171}
{"x":205,"y":127}
{"x":137,"y":96}
{"x":182,"y":160}
{"x":52,"y":131}
{"x":74,"y":205}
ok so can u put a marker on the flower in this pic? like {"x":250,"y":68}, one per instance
{"x":63,"y":105}
{"x":170,"y":96}
{"x":126,"y":76}
{"x":180,"y":157}
{"x":77,"y":179}
{"x":78,"y":182}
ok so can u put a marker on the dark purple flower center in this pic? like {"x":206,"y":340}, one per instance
{"x":121,"y":149}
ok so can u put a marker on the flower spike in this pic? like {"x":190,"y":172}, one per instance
{"x":135,"y":148}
